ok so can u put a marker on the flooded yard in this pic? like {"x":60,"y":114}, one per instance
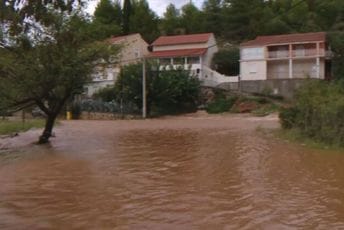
{"x":185,"y":172}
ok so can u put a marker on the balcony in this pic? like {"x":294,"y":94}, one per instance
{"x":308,"y":53}
{"x":296,"y":53}
{"x":278,"y":54}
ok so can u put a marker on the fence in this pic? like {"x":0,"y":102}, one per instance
{"x":99,"y":109}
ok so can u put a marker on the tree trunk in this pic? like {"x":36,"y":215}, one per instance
{"x":49,"y":124}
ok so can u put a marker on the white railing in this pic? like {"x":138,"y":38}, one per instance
{"x":211,"y":78}
{"x":296,"y":53}
{"x":183,"y":66}
{"x":279,"y":54}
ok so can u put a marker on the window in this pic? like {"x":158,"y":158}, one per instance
{"x":193,"y":60}
{"x":178,"y":61}
{"x":165,"y":61}
{"x":253,"y":69}
{"x":252,"y":53}
{"x":136,"y":53}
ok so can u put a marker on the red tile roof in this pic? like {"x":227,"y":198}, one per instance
{"x":286,"y":38}
{"x":182,"y":39}
{"x":177,"y":53}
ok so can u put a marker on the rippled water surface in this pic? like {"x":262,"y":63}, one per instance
{"x":174,"y":173}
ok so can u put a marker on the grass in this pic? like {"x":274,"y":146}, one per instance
{"x":9,"y":127}
{"x":295,"y":136}
{"x":265,"y":110}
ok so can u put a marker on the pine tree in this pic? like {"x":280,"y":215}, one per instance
{"x":127,"y":12}
{"x":171,"y":20}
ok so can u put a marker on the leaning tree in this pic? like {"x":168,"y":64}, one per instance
{"x":47,"y":55}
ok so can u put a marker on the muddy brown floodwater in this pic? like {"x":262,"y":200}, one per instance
{"x":189,"y":172}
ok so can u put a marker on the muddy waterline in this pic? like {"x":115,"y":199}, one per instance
{"x":190,"y":172}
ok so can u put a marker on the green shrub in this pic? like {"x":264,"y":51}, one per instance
{"x":287,"y":117}
{"x":221,"y":105}
{"x":318,"y":112}
{"x":257,"y":99}
{"x":226,"y":61}
{"x":168,"y":91}
{"x":106,"y":94}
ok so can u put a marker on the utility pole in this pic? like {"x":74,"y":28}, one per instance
{"x":144,"y":102}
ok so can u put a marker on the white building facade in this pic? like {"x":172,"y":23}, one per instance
{"x":132,"y":49}
{"x":291,"y":56}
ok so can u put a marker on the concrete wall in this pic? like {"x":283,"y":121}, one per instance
{"x":253,"y":70}
{"x":281,"y":87}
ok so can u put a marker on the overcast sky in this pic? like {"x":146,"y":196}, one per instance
{"x":159,"y":6}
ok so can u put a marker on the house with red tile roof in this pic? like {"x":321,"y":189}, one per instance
{"x":192,"y":51}
{"x":132,"y":49}
{"x":289,"y":56}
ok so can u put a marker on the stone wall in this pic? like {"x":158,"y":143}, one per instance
{"x":281,"y":87}
{"x":106,"y":116}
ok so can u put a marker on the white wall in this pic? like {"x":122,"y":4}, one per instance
{"x":252,"y":53}
{"x":252,"y":70}
{"x":180,"y":47}
{"x":212,"y":49}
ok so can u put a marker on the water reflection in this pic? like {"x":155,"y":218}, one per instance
{"x":170,"y":175}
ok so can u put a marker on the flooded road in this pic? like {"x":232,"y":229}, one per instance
{"x":190,"y":172}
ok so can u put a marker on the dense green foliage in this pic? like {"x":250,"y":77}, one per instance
{"x":226,"y":61}
{"x":239,"y":20}
{"x":336,"y":41}
{"x":107,"y":19}
{"x":318,"y":112}
{"x":170,"y":23}
{"x":133,"y":17}
{"x":231,"y":20}
{"x":127,"y":12}
{"x":106,"y":94}
{"x":173,"y":91}
{"x":168,"y":91}
{"x":144,"y":21}
{"x":221,"y":104}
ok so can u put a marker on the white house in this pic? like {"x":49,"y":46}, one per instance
{"x":132,"y":49}
{"x":290,"y":56}
{"x":194,"y":52}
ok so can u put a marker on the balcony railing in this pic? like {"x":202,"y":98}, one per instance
{"x":280,"y":54}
